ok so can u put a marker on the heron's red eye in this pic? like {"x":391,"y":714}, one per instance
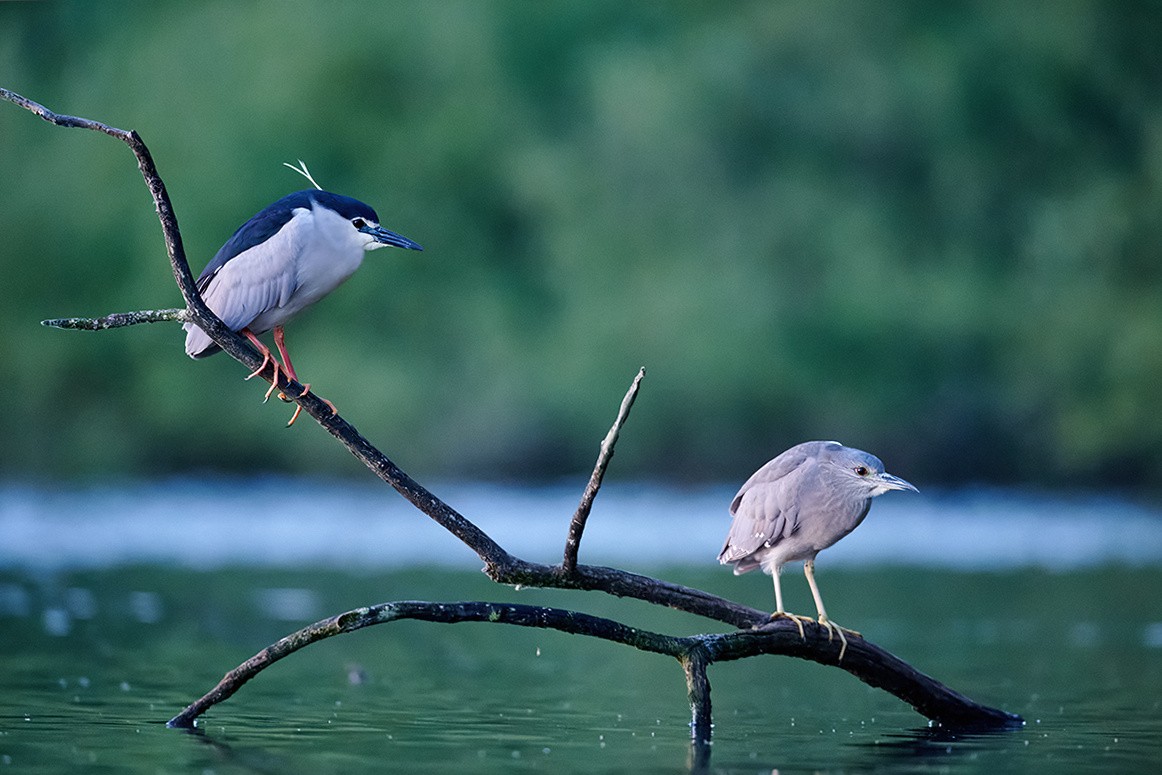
{"x":359,"y":223}
{"x":861,"y":471}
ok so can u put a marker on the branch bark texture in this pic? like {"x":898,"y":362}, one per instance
{"x":119,"y":319}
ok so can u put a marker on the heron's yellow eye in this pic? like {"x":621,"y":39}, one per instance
{"x":861,"y":471}
{"x":358,"y":223}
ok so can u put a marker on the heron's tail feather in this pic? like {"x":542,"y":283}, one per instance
{"x":198,"y":344}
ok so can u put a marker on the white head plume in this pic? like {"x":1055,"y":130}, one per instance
{"x":302,"y":170}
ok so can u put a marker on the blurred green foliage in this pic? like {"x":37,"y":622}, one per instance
{"x":926,"y":229}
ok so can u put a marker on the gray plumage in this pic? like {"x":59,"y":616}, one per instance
{"x":799,"y":504}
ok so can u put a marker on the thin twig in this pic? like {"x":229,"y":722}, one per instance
{"x":119,"y":319}
{"x":577,"y":524}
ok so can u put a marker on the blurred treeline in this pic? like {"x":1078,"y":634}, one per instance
{"x":928,"y":229}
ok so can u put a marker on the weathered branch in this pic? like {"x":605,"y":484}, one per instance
{"x":577,"y":524}
{"x":694,"y":662}
{"x":759,"y":636}
{"x":447,"y":613}
{"x":866,"y":661}
{"x":119,"y":319}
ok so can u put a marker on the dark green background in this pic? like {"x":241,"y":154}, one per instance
{"x":930,"y":230}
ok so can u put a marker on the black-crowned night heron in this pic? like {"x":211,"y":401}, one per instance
{"x":280,"y":262}
{"x":799,"y":504}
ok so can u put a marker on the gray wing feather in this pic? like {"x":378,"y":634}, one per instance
{"x":763,"y":519}
{"x":251,"y":283}
{"x":766,"y":509}
{"x":773,"y":471}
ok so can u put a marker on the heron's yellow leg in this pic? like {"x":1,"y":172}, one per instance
{"x":782,"y":614}
{"x":832,"y":628}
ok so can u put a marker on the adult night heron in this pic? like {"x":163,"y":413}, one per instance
{"x":281,"y":261}
{"x":796,"y":506}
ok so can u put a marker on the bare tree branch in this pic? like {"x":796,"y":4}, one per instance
{"x":864,"y":660}
{"x":119,"y":319}
{"x":447,"y":613}
{"x":758,"y":636}
{"x":577,"y":524}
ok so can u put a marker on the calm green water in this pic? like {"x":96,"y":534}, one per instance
{"x":92,"y":663}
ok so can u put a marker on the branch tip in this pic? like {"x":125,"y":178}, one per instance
{"x":581,"y":516}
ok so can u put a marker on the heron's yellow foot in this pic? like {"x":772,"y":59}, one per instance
{"x":834,"y":629}
{"x":798,"y":620}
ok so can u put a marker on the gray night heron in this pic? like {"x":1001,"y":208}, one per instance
{"x":796,"y":506}
{"x":281,"y":261}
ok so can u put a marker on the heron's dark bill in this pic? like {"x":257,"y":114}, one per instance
{"x":386,"y":237}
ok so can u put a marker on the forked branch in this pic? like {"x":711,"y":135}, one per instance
{"x":864,"y":660}
{"x":757,"y":634}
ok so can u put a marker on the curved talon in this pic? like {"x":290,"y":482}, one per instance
{"x":273,"y":385}
{"x":832,"y":627}
{"x":261,"y":366}
{"x":307,"y":389}
{"x":267,"y":358}
{"x":299,"y":408}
